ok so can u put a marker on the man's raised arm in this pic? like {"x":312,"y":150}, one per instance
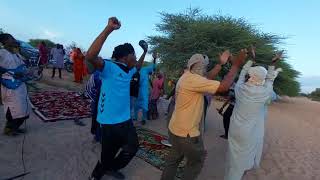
{"x":223,"y":59}
{"x":144,"y":46}
{"x":272,"y":72}
{"x":229,"y":78}
{"x":92,"y":60}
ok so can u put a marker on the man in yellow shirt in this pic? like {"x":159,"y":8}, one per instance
{"x":184,"y":133}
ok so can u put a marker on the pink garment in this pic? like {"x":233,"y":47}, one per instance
{"x":157,"y":86}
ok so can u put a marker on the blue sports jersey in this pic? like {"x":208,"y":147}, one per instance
{"x":114,"y":101}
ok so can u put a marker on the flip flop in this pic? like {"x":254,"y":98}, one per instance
{"x":79,"y":123}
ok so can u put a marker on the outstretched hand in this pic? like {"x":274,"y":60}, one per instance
{"x":144,"y":45}
{"x":241,"y":57}
{"x":114,"y":23}
{"x":224,"y":57}
{"x":277,"y":57}
{"x":253,"y":53}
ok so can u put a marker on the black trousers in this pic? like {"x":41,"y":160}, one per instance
{"x":54,"y":72}
{"x":14,"y":124}
{"x":154,"y":109}
{"x":114,"y":137}
{"x":226,"y":119}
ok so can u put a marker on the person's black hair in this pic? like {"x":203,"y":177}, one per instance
{"x":43,"y":43}
{"x":247,"y":77}
{"x":112,"y":57}
{"x":122,"y":51}
{"x":4,"y":37}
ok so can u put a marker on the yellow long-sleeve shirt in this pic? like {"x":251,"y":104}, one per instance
{"x":188,"y":111}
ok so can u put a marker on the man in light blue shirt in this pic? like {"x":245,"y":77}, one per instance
{"x":117,"y":129}
{"x":142,"y":101}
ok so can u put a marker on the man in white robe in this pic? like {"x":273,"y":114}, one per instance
{"x":246,"y":131}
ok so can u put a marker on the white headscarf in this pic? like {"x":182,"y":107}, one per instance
{"x":257,"y":75}
{"x":198,"y":63}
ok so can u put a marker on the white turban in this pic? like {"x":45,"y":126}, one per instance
{"x":198,"y":58}
{"x":257,"y":75}
{"x":198,"y":63}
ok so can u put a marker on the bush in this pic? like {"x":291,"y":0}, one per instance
{"x":315,"y":95}
{"x":184,"y":34}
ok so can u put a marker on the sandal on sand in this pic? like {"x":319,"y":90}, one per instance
{"x":79,"y":123}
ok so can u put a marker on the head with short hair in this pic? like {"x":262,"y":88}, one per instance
{"x":160,"y":75}
{"x":78,"y":50}
{"x":8,"y":41}
{"x":198,"y":64}
{"x":43,"y":43}
{"x":125,"y":53}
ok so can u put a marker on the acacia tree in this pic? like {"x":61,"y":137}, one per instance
{"x":192,"y":32}
{"x":36,"y":42}
{"x":315,"y":95}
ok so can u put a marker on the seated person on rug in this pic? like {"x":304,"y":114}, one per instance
{"x":93,"y":91}
{"x":15,"y":101}
{"x":119,"y":142}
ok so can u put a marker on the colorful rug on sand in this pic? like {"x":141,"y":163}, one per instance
{"x":59,"y":105}
{"x":152,"y":151}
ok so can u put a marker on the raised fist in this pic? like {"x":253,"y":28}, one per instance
{"x":144,"y":45}
{"x":114,"y":23}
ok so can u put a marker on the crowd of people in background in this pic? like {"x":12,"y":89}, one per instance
{"x":56,"y":56}
{"x":124,"y":91}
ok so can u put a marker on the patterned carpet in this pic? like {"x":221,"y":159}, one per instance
{"x":152,"y":151}
{"x":59,"y":105}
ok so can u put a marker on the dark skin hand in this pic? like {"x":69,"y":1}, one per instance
{"x":277,"y":57}
{"x":223,"y":59}
{"x":144,"y":46}
{"x":95,"y":48}
{"x":252,"y":53}
{"x":223,"y":106}
{"x":227,"y":81}
{"x":154,"y":56}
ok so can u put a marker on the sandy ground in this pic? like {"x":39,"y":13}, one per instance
{"x":62,"y":150}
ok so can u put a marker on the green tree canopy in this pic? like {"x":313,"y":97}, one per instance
{"x":36,"y":42}
{"x":315,"y":95}
{"x":184,"y":34}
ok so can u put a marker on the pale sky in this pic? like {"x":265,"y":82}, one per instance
{"x":64,"y":21}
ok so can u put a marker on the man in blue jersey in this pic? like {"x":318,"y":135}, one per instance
{"x":117,"y":129}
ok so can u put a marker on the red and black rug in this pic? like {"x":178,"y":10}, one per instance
{"x":152,"y":151}
{"x":59,"y":105}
